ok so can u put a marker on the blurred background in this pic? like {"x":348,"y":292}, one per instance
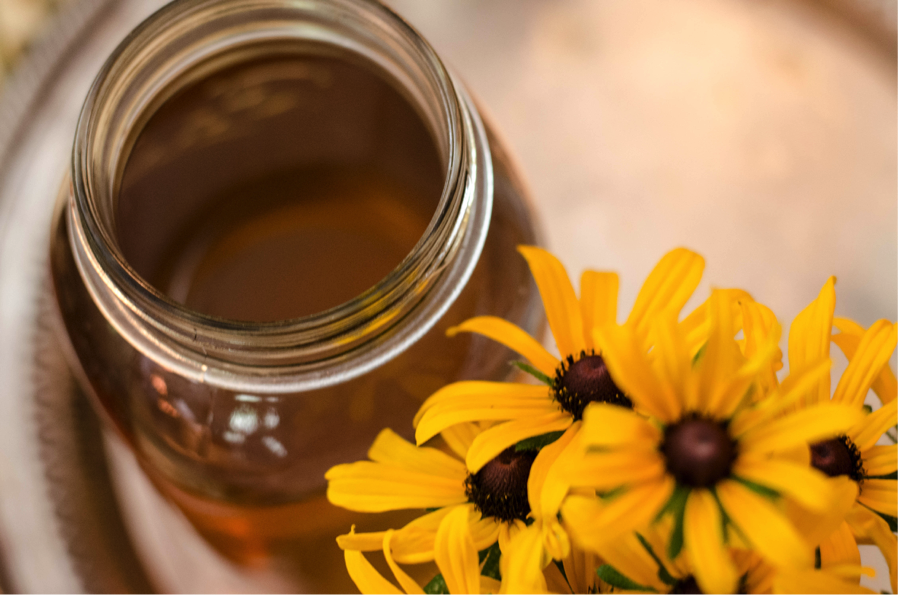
{"x":761,"y":133}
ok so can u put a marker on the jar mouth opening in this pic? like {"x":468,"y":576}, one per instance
{"x":148,"y":64}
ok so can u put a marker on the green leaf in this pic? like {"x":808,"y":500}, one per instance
{"x":892,"y":475}
{"x":610,"y":575}
{"x":437,"y":585}
{"x":663,"y":574}
{"x":867,"y":409}
{"x":538,"y":442}
{"x":525,"y":367}
{"x":677,"y":507}
{"x":818,"y":561}
{"x":893,"y":434}
{"x":677,"y":500}
{"x":491,"y":566}
{"x":758,"y":488}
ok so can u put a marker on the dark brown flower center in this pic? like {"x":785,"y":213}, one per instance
{"x":584,"y":381}
{"x":699,"y":451}
{"x":499,"y":489}
{"x":838,"y":456}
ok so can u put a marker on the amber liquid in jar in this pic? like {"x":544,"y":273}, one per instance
{"x":275,"y":188}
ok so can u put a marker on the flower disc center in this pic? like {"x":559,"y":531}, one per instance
{"x":699,"y":451}
{"x":587,"y":380}
{"x":838,"y":456}
{"x":687,"y":585}
{"x":499,"y":489}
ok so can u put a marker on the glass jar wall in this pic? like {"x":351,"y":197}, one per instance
{"x":276,"y":211}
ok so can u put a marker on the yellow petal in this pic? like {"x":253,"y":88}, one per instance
{"x":507,"y":532}
{"x":868,"y":525}
{"x":809,"y":338}
{"x":479,"y":389}
{"x":372,"y":487}
{"x":468,"y":409}
{"x":489,"y":584}
{"x":607,"y":425}
{"x":363,"y":574}
{"x":673,"y":362}
{"x":782,"y":399}
{"x":629,"y":511}
{"x":556,"y":582}
{"x":818,"y":422}
{"x":455,"y":554}
{"x":720,"y":360}
{"x":873,"y":352}
{"x":607,"y":470}
{"x":849,"y":338}
{"x":493,"y":441}
{"x":814,"y":581}
{"x":580,"y":567}
{"x":840,"y":548}
{"x":880,"y":495}
{"x":668,"y":287}
{"x":881,"y":460}
{"x":760,"y":327}
{"x":705,"y":544}
{"x":512,"y":337}
{"x":697,"y":325}
{"x":765,"y":527}
{"x":390,"y":449}
{"x":632,"y":372}
{"x":582,"y":516}
{"x":555,"y":538}
{"x":546,"y":496}
{"x":407,"y":583}
{"x":362,"y":542}
{"x":816,"y":526}
{"x":598,"y":301}
{"x":808,"y":486}
{"x":559,"y":299}
{"x":460,"y":436}
{"x":522,"y":563}
{"x":868,"y":432}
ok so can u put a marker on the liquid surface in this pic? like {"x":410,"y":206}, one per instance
{"x":294,"y":243}
{"x":277,"y":188}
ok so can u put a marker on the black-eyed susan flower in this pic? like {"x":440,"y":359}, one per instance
{"x":533,"y":547}
{"x":578,"y":377}
{"x":400,"y":475}
{"x":709,"y":456}
{"x":455,"y":555}
{"x":854,"y":454}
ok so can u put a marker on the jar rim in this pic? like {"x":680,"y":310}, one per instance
{"x":310,"y":348}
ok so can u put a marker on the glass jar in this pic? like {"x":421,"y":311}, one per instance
{"x":236,"y":417}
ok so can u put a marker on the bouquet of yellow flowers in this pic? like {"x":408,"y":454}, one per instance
{"x":661,"y":455}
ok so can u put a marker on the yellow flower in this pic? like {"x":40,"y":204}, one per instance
{"x":761,"y":577}
{"x":579,"y":377}
{"x":532,"y":548}
{"x":709,"y":456}
{"x":402,"y":476}
{"x":456,"y":558}
{"x":854,"y":454}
